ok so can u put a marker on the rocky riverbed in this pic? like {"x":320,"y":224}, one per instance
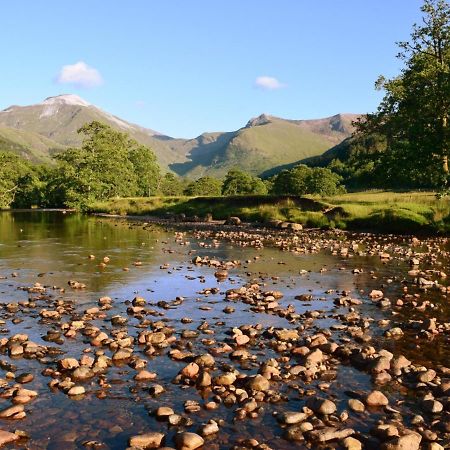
{"x":123,"y":335}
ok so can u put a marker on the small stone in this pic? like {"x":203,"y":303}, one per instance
{"x":350,"y":443}
{"x":164,"y":411}
{"x":376,"y":398}
{"x":410,"y":441}
{"x":6,"y":437}
{"x":258,"y":383}
{"x":190,"y":371}
{"x":145,"y":375}
{"x":427,"y":376}
{"x":147,"y":440}
{"x":322,"y":406}
{"x":76,"y":390}
{"x":356,"y":405}
{"x":188,"y":441}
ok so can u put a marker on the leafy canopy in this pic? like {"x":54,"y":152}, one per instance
{"x":237,"y":182}
{"x":414,"y":113}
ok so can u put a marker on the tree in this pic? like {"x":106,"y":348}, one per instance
{"x":302,"y":180}
{"x":204,"y":186}
{"x":146,"y":168}
{"x":108,"y":164}
{"x":12,"y":171}
{"x":238,"y":182}
{"x":170,"y":185}
{"x":293,"y":181}
{"x":323,"y":182}
{"x":414,"y":113}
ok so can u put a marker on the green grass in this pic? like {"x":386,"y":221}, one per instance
{"x":383,"y":211}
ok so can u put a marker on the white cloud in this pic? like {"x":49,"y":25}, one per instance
{"x":79,"y":75}
{"x":268,"y":83}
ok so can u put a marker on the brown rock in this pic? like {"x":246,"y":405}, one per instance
{"x":147,"y":440}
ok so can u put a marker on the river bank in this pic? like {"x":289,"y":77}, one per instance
{"x":122,"y":333}
{"x":385,"y":212}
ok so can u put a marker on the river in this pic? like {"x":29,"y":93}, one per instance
{"x":314,"y":271}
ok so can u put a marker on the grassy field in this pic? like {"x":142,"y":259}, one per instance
{"x":384,"y":211}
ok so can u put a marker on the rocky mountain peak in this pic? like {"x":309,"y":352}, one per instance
{"x":66,"y":99}
{"x":260,"y":120}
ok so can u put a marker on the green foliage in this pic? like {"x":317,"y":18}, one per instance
{"x":413,"y":116}
{"x":171,"y":185}
{"x":238,"y":182}
{"x":13,"y":173}
{"x":204,"y":186}
{"x":108,"y":164}
{"x":303,"y":180}
{"x":148,"y":174}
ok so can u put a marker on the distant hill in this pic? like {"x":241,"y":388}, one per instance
{"x":37,"y":131}
{"x":29,"y":145}
{"x":263,"y":143}
{"x":58,"y":119}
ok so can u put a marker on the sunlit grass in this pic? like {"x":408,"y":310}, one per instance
{"x":372,"y":210}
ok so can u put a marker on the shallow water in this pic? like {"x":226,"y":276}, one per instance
{"x":53,"y":248}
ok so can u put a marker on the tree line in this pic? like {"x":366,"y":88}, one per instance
{"x":110,"y":164}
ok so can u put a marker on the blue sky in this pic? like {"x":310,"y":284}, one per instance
{"x":188,"y":66}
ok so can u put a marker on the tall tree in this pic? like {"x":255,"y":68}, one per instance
{"x":146,"y":168}
{"x":237,"y":182}
{"x":108,"y":164}
{"x":12,"y":170}
{"x":414,"y":113}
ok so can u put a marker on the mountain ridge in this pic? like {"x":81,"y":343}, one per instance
{"x":264,"y":142}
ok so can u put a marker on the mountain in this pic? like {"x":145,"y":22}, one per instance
{"x":265,"y":142}
{"x":58,"y":118}
{"x":27,"y":144}
{"x":37,"y":131}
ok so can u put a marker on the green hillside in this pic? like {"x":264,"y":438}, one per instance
{"x":264,"y":143}
{"x":36,"y":131}
{"x":59,"y":118}
{"x":29,"y":145}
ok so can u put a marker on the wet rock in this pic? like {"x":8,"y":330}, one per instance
{"x":13,"y":412}
{"x":292,"y":417}
{"x":409,"y":441}
{"x":399,"y":363}
{"x":376,"y":398}
{"x":286,"y":335}
{"x":350,"y":443}
{"x":427,"y":376}
{"x":356,"y":405}
{"x":76,"y":390}
{"x":147,"y":440}
{"x":7,"y":438}
{"x":190,"y":371}
{"x":329,"y":434}
{"x":432,"y":406}
{"x":233,"y":221}
{"x":68,"y":363}
{"x":210,"y":428}
{"x":188,"y":441}
{"x":258,"y":383}
{"x":225,"y":379}
{"x":164,"y":411}
{"x":145,"y":375}
{"x":321,"y":405}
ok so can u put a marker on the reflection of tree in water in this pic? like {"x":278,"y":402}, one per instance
{"x":59,"y":244}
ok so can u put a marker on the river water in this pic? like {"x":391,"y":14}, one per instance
{"x":51,"y":248}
